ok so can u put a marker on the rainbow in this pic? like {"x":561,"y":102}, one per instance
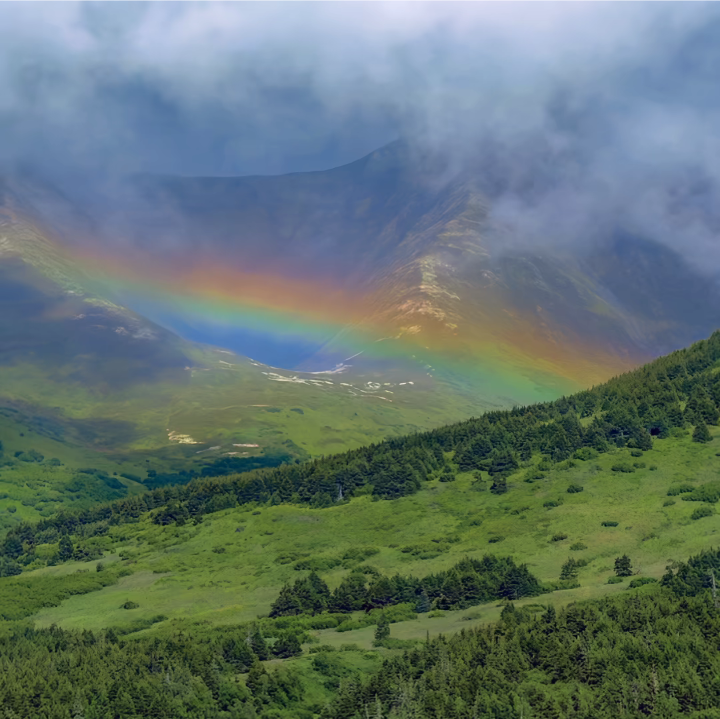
{"x":512,"y":358}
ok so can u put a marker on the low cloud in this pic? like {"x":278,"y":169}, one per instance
{"x":576,"y":118}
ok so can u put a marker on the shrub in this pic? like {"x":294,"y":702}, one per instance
{"x":639,"y":465}
{"x":559,"y":537}
{"x":704,"y":493}
{"x":636,"y":453}
{"x":640,"y":581}
{"x":558,"y":584}
{"x":552,"y":503}
{"x":615,"y":580}
{"x":349,"y":648}
{"x":219,"y":550}
{"x":653,"y":467}
{"x":578,"y":547}
{"x":585,"y":454}
{"x":623,"y":467}
{"x":680,"y":489}
{"x":533,"y":475}
{"x":495,"y":540}
{"x":322,"y":648}
{"x":317,"y":564}
{"x":609,"y":524}
{"x":704,"y":511}
{"x":668,"y":503}
{"x":359,"y":554}
{"x":574,"y":489}
{"x":129,"y":605}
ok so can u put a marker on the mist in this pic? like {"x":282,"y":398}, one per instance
{"x":574,"y":118}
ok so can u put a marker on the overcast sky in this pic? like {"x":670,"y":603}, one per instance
{"x":577,"y":111}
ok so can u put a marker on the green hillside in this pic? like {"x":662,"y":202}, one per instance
{"x":315,"y":560}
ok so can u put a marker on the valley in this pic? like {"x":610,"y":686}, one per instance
{"x":564,"y":492}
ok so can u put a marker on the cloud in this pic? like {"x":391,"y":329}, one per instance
{"x":574,"y":117}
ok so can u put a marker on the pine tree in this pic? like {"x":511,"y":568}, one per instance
{"x":287,"y":646}
{"x":502,"y":462}
{"x":499,"y":485}
{"x":350,"y":595}
{"x":258,"y":645}
{"x":623,"y":566}
{"x":569,"y":569}
{"x":287,"y":603}
{"x":423,"y":604}
{"x":701,"y":433}
{"x":382,"y":631}
{"x":285,"y":490}
{"x":525,"y":452}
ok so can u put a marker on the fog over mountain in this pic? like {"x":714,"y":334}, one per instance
{"x":577,"y":117}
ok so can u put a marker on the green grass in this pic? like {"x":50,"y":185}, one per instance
{"x":177,"y":573}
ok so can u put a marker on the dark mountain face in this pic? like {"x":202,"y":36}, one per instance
{"x":424,"y":251}
{"x":347,"y":222}
{"x":99,"y":347}
{"x":474,"y":314}
{"x":654,"y":285}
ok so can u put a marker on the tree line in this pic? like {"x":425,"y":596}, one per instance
{"x":651,"y":652}
{"x":469,"y":582}
{"x":631,"y":410}
{"x":642,"y":654}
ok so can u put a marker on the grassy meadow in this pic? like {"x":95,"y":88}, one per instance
{"x":230,"y":567}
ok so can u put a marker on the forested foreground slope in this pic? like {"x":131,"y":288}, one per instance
{"x":265,"y":594}
{"x":648,"y":652}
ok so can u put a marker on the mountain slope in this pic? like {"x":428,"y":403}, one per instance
{"x":582,"y":474}
{"x":422,"y":260}
{"x":609,"y":481}
{"x":88,"y":382}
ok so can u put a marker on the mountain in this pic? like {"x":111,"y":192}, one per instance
{"x":421,"y":251}
{"x":580,"y":514}
{"x":391,"y":296}
{"x":88,"y":383}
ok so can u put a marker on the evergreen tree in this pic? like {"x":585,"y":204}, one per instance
{"x":569,"y":569}
{"x":623,"y":566}
{"x":65,"y":548}
{"x":350,"y":595}
{"x":701,"y":433}
{"x":287,"y":603}
{"x":502,"y":463}
{"x":474,"y":454}
{"x":423,"y":604}
{"x":257,"y":643}
{"x":447,"y":475}
{"x":525,"y":452}
{"x":382,"y":631}
{"x":9,"y":567}
{"x":285,"y":490}
{"x":287,"y":646}
{"x":499,"y":485}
